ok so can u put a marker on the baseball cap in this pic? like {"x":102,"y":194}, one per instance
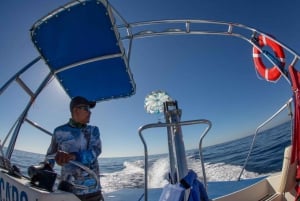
{"x":79,"y":100}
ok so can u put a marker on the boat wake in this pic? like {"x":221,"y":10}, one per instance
{"x":132,"y":174}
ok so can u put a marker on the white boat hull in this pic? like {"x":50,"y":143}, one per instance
{"x":20,"y":189}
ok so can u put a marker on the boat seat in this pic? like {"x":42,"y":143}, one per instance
{"x":288,"y":173}
{"x":284,"y":188}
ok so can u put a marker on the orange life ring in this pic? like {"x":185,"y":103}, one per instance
{"x":270,"y":74}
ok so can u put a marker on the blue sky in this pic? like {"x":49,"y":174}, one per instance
{"x":211,"y":77}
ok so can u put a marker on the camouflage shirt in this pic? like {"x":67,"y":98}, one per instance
{"x":85,"y":143}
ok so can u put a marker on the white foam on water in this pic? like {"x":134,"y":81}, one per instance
{"x":132,"y":175}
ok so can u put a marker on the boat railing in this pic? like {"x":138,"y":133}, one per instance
{"x":16,"y":77}
{"x":160,"y":125}
{"x":15,"y":129}
{"x":287,"y":106}
{"x":34,"y":124}
{"x":169,"y":27}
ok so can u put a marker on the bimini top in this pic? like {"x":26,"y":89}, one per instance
{"x":81,"y":45}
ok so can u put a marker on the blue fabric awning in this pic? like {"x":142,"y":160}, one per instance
{"x":80,"y":44}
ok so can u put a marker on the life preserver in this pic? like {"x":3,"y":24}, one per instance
{"x":270,"y":74}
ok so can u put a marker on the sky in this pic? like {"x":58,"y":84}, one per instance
{"x":211,"y":77}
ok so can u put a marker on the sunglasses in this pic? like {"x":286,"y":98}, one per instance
{"x":84,"y":107}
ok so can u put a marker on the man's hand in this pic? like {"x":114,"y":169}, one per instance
{"x":62,"y":157}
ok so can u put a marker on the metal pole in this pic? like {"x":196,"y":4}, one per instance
{"x":22,"y":117}
{"x":173,"y":115}
{"x":18,"y":74}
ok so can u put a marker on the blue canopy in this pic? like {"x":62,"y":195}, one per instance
{"x":80,"y":43}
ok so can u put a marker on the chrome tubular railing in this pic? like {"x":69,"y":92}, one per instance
{"x":288,"y":106}
{"x":159,"y":125}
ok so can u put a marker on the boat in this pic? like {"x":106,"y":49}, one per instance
{"x":102,"y":59}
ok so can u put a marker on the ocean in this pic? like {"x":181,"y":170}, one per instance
{"x":222,"y":162}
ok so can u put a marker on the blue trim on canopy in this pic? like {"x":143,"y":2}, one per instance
{"x":80,"y":44}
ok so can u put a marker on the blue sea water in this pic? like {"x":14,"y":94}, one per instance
{"x":222,"y":161}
